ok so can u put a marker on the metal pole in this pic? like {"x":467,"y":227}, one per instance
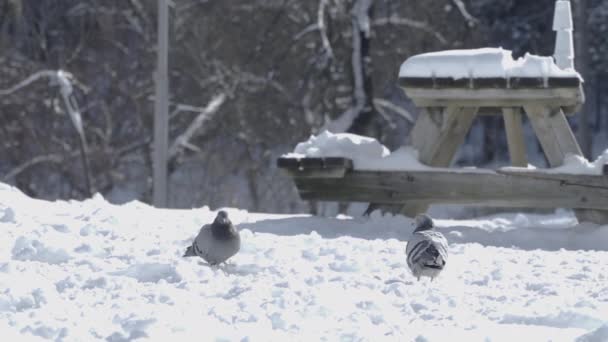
{"x":161,"y":121}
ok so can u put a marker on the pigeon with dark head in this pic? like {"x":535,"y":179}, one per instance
{"x":427,"y":249}
{"x":216,"y":242}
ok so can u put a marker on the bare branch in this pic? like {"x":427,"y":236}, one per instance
{"x":342,"y":122}
{"x":64,"y":80}
{"x":52,"y":74}
{"x":184,"y":138}
{"x":323,"y":29}
{"x":386,"y":117}
{"x":420,"y":25}
{"x":389,"y":105}
{"x":305,"y":31}
{"x":471,"y":20}
{"x":51,"y":158}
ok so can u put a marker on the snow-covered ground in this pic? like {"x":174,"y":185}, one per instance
{"x":84,"y":271}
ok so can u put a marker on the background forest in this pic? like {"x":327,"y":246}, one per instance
{"x":248,"y":80}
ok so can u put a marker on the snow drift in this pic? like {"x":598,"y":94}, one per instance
{"x":86,"y":271}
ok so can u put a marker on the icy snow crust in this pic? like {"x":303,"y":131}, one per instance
{"x":481,"y":63}
{"x":89,"y":271}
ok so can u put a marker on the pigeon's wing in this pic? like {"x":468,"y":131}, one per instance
{"x":191,"y":250}
{"x":426,"y":250}
{"x":439,"y":242}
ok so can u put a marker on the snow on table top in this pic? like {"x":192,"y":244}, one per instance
{"x":482,"y":63}
{"x":366,"y":153}
{"x":92,"y":271}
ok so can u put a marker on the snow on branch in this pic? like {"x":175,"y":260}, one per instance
{"x":183,"y":140}
{"x":31,"y":79}
{"x":323,"y":29}
{"x":64,"y":80}
{"x":361,"y":14}
{"x":420,"y":25}
{"x":305,"y":31}
{"x":382,"y":103}
{"x":342,"y":123}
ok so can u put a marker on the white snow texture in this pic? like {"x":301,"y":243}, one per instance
{"x":481,"y":63}
{"x":88,"y":271}
{"x":366,"y":153}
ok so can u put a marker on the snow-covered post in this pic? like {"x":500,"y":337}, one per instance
{"x":562,"y":24}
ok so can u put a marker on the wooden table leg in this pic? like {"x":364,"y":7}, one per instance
{"x":437,"y":136}
{"x":557,"y":140}
{"x":515,"y":136}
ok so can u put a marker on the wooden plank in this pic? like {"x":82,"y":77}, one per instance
{"x":489,"y":82}
{"x":311,"y":167}
{"x":515,"y":136}
{"x":557,"y":140}
{"x":462,"y":97}
{"x":437,"y":136}
{"x":470,"y":188}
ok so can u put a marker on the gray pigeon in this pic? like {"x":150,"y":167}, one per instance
{"x":216,"y":242}
{"x":427,"y":249}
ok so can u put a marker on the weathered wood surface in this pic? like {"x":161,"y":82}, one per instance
{"x":556,"y":138}
{"x":515,"y":136}
{"x":553,"y":132}
{"x":438,"y":133}
{"x":310,"y":167}
{"x":490,"y":82}
{"x":471,"y":187}
{"x":568,"y":98}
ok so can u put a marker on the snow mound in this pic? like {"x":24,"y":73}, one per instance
{"x":151,"y":273}
{"x":296,"y":277}
{"x":481,"y":63}
{"x":34,"y":250}
{"x":575,"y":164}
{"x":328,"y":144}
{"x":366,"y":153}
{"x":598,"y":335}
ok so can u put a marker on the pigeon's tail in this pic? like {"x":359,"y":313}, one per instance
{"x":189,"y":252}
{"x":432,"y":258}
{"x":425,"y":259}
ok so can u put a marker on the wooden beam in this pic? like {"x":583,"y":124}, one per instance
{"x":438,"y":135}
{"x":470,"y":187}
{"x":515,"y":136}
{"x":557,"y":140}
{"x":463,"y":97}
{"x":553,"y":132}
{"x":310,"y":167}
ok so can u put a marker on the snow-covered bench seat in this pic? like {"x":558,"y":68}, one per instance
{"x":335,"y":179}
{"x":488,"y":77}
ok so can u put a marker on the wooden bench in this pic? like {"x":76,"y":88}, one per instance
{"x":447,"y":110}
{"x":335,"y":179}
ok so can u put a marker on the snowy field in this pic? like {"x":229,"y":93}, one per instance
{"x":85,"y":271}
